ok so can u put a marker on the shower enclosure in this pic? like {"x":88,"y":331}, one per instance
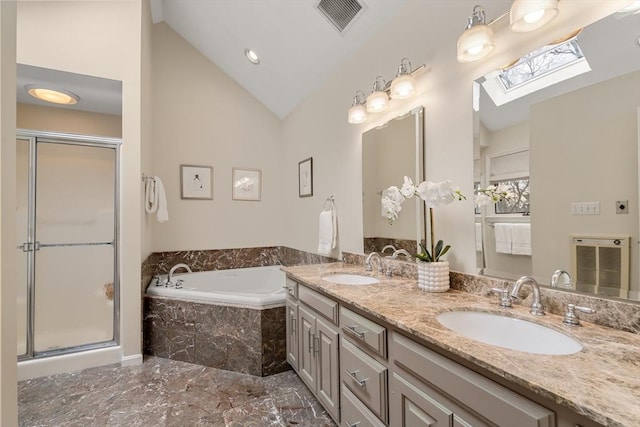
{"x":67,"y":223}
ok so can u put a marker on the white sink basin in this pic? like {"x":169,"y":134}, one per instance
{"x":350,"y":279}
{"x":507,"y":332}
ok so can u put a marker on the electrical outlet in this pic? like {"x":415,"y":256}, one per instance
{"x":622,"y":206}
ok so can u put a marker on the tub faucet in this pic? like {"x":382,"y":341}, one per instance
{"x":367,"y":263}
{"x":173,"y":270}
{"x":536,"y":306}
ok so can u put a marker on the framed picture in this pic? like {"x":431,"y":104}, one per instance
{"x":305,"y":178}
{"x":246,"y":184}
{"x":196,"y":182}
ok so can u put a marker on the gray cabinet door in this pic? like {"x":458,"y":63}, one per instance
{"x":306,"y":356}
{"x":328,"y":372}
{"x":411,"y":405}
{"x":292,"y":334}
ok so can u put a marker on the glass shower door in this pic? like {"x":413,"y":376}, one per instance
{"x":24,"y":233}
{"x":74,"y":253}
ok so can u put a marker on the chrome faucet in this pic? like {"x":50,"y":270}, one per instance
{"x":400,"y":252}
{"x":367,"y":263}
{"x":536,"y":306}
{"x":555,"y":279}
{"x":393,"y":248}
{"x":173,"y":270}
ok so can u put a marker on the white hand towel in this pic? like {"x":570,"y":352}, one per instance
{"x":521,"y":239}
{"x":478,"y":237}
{"x":326,"y":232}
{"x":155,"y":198}
{"x":502,"y":233}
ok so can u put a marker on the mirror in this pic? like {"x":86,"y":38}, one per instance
{"x":389,"y":152}
{"x":574,"y":146}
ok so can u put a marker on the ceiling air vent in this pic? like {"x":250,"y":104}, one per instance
{"x":341,"y":13}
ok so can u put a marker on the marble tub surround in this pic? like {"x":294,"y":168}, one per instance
{"x":245,"y":340}
{"x":600,"y":382}
{"x":224,"y":259}
{"x":167,"y":393}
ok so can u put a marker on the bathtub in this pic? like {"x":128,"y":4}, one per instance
{"x":256,"y":287}
{"x":226,"y":319}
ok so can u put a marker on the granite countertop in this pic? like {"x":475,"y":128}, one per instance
{"x":601,"y":382}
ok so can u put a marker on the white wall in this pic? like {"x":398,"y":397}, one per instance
{"x":423,"y":32}
{"x":202,"y":117}
{"x":589,"y":160}
{"x":8,"y":368}
{"x":37,"y":117}
{"x":103,"y":39}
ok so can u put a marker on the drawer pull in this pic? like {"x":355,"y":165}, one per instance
{"x":354,"y":375}
{"x":294,"y":323}
{"x":356,"y":424}
{"x":316,"y":344}
{"x":353,"y":329}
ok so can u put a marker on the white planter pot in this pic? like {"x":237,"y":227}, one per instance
{"x":433,"y":276}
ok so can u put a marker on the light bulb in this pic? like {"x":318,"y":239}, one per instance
{"x":532,"y":17}
{"x":357,"y":114}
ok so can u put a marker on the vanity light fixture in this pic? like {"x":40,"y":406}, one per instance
{"x":404,"y":85}
{"x":358,"y":112}
{"x":252,"y":56}
{"x":632,"y":8}
{"x":378,"y":100}
{"x":476,"y":41}
{"x":56,"y":96}
{"x":529,"y":15}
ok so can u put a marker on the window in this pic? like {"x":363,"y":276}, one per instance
{"x":520,"y":203}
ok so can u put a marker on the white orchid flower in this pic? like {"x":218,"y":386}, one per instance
{"x":408,"y":189}
{"x":392,"y":199}
{"x":437,"y":193}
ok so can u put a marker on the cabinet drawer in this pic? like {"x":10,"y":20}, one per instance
{"x":291,"y":288}
{"x":365,"y":377}
{"x":364,"y":331}
{"x":354,"y":413}
{"x":323,"y":305}
{"x":483,"y":396}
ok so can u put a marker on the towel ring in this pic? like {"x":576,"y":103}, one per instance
{"x":330,"y":200}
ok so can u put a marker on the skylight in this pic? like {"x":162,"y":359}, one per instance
{"x":539,"y":69}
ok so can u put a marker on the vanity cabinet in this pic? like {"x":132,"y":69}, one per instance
{"x":428,"y":389}
{"x":316,"y":342}
{"x":292,"y":333}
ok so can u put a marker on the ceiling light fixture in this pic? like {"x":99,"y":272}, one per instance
{"x":404,"y":85}
{"x":529,"y":15}
{"x":55,"y":96}
{"x":358,"y":112}
{"x":476,"y":41}
{"x":252,"y":56}
{"x":378,"y":100}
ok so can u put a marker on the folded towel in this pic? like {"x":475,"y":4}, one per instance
{"x":521,"y":239}
{"x":478,"y":237}
{"x":327,"y":232}
{"x":155,"y":198}
{"x":502,"y":233}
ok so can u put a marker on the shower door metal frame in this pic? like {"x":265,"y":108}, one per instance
{"x":32,"y":245}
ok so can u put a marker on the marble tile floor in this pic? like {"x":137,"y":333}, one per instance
{"x":164,"y":393}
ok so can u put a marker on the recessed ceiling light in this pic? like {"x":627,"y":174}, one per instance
{"x":252,"y":56}
{"x":634,"y":7}
{"x":55,"y":96}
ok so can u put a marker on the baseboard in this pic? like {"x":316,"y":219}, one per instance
{"x":134,"y":359}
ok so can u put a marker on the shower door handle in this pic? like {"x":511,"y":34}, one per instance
{"x":29,"y":246}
